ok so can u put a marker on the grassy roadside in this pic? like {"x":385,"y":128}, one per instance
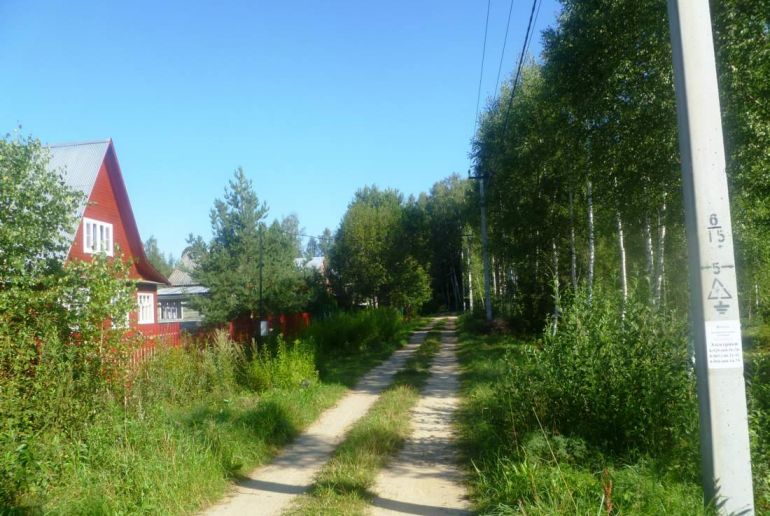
{"x":175,"y":446}
{"x":342,"y":486}
{"x":529,"y":469}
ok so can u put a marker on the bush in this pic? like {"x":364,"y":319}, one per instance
{"x":283,"y":366}
{"x":621,"y":381}
{"x":175,"y":375}
{"x":356,"y":331}
{"x":759,"y":418}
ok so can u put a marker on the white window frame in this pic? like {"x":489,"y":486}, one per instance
{"x":145,"y":313}
{"x":161,"y":307}
{"x":98,"y":237}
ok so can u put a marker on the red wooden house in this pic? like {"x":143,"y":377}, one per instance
{"x":106,"y":223}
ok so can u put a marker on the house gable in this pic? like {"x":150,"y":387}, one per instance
{"x":101,"y":180}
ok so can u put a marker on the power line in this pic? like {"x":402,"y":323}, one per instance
{"x":537,"y":15}
{"x":481,"y":74}
{"x":502,"y":54}
{"x":527,"y":39}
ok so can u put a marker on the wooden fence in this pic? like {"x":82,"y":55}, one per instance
{"x":169,"y":335}
{"x":155,"y":336}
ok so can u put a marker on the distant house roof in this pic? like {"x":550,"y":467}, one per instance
{"x":182,"y":291}
{"x":316,"y":263}
{"x":182,"y":283}
{"x":179,"y":278}
{"x":79,"y":165}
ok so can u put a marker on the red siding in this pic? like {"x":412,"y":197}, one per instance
{"x":109,"y":203}
{"x":103,"y":206}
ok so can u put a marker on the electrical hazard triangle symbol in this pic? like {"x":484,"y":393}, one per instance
{"x":718,"y":291}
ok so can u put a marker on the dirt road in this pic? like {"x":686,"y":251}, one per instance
{"x":268,"y":490}
{"x":424,"y":478}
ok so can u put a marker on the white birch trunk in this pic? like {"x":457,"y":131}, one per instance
{"x":623,"y":271}
{"x":470,"y":280}
{"x":660,"y":271}
{"x":494,"y":276}
{"x":756,"y":297}
{"x":649,"y":253}
{"x":556,"y":296}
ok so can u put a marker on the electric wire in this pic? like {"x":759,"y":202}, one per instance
{"x":502,"y":54}
{"x":481,"y":74}
{"x":524,"y":47}
{"x":534,"y":24}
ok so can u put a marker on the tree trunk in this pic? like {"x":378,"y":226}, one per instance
{"x":591,"y":241}
{"x":623,"y":271}
{"x":649,"y":254}
{"x":556,"y":296}
{"x":494,"y":277}
{"x":756,"y":297}
{"x":572,"y":250}
{"x":470,"y":280}
{"x":660,"y":268}
{"x":456,"y":290}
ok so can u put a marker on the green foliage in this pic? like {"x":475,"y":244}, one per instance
{"x":169,"y":436}
{"x":37,"y":214}
{"x":620,"y":380}
{"x":592,"y":129}
{"x":355,"y":331}
{"x":60,"y":358}
{"x":283,"y":366}
{"x":758,"y":374}
{"x":348,"y":344}
{"x":163,"y":264}
{"x":525,"y":459}
{"x":229,"y":265}
{"x":370,"y":262}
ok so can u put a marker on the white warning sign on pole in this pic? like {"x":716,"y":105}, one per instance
{"x":723,"y":344}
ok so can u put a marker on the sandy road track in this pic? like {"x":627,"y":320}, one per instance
{"x":269,"y":489}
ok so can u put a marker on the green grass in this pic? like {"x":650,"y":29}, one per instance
{"x":177,"y":443}
{"x":176,"y":460}
{"x":343,"y":485}
{"x":534,"y":470}
{"x":344,"y":367}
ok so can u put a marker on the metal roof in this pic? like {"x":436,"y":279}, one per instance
{"x":317,"y":263}
{"x":181,"y":291}
{"x":180,"y":278}
{"x":78,"y":164}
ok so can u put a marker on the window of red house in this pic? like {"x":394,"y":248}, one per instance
{"x":97,"y":237}
{"x":146,"y":313}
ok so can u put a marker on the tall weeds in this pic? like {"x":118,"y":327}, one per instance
{"x":82,"y":432}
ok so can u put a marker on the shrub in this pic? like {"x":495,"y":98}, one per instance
{"x":759,"y":417}
{"x":356,"y":331}
{"x":283,"y":366}
{"x":622,"y":381}
{"x":174,"y":375}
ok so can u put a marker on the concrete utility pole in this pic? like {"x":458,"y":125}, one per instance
{"x":484,"y":243}
{"x":714,"y":294}
{"x":485,"y":247}
{"x":261,"y":303}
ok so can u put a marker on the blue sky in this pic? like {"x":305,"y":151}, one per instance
{"x":313,"y":99}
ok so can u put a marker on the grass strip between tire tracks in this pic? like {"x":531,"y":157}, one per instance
{"x":343,"y":485}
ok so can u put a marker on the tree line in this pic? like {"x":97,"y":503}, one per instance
{"x":582,"y":174}
{"x":582,"y":164}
